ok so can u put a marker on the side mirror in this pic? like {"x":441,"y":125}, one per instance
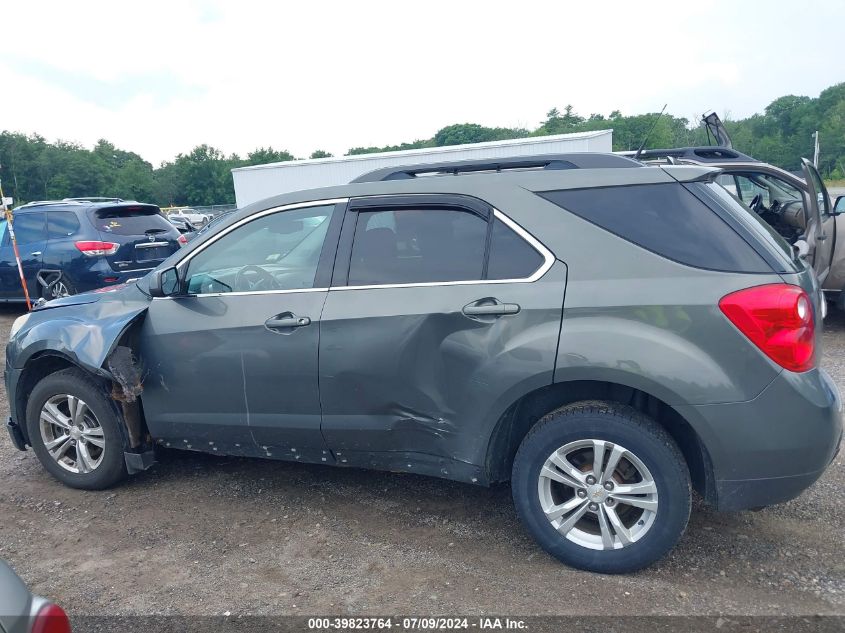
{"x":164,"y":283}
{"x":839,"y":206}
{"x":802,"y":249}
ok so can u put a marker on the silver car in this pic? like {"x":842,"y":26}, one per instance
{"x":23,"y":612}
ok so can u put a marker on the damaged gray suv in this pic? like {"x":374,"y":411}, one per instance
{"x":605,"y":336}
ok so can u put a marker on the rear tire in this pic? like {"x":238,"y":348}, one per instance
{"x":606,"y":526}
{"x":73,"y":429}
{"x":62,"y":288}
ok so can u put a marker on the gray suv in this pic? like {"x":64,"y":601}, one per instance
{"x":605,"y":336}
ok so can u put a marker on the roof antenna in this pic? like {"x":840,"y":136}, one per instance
{"x":645,"y":140}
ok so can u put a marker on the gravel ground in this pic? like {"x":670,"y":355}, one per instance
{"x":199,"y":534}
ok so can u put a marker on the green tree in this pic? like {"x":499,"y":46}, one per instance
{"x":320,"y":154}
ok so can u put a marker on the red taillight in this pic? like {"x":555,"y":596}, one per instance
{"x":778,"y":318}
{"x":51,"y":619}
{"x":94,"y":248}
{"x":182,"y":240}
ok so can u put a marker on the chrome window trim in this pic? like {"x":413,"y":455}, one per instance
{"x":183,"y":263}
{"x":151,"y":244}
{"x":548,"y":258}
{"x":548,"y":261}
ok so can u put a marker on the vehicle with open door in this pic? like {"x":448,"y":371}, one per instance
{"x":799,"y":209}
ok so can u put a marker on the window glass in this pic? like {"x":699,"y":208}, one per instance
{"x":417,"y":246}
{"x":728,"y":182}
{"x":276,"y":252}
{"x":511,"y":257}
{"x":61,"y":224}
{"x":3,"y":227}
{"x":29,"y":228}
{"x":665,"y":219}
{"x":748,"y":189}
{"x":135,"y":220}
{"x":818,"y":185}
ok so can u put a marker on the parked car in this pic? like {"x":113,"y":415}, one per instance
{"x":798,"y":208}
{"x":194,"y":217}
{"x":602,"y":334}
{"x":71,"y":246}
{"x":23,"y":612}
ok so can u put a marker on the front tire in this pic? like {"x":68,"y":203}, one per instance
{"x":73,"y":429}
{"x":601,"y":487}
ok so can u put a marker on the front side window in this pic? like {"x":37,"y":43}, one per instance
{"x":279,"y":251}
{"x":403,"y":246}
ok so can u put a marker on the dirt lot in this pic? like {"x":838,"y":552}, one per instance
{"x":206,"y":535}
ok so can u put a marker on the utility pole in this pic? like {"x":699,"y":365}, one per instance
{"x":7,"y":213}
{"x":816,"y":149}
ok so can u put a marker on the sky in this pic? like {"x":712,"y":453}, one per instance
{"x":159,"y":78}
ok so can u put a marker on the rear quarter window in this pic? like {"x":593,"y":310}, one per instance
{"x":135,"y":220}
{"x":665,"y":219}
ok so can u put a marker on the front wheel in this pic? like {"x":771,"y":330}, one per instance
{"x":602,"y":487}
{"x":74,"y":431}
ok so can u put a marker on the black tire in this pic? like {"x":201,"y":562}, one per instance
{"x":628,"y":428}
{"x":75,"y":382}
{"x":62,"y":282}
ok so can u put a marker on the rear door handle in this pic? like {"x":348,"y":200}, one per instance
{"x":286,"y":321}
{"x":489,"y":307}
{"x":35,"y":253}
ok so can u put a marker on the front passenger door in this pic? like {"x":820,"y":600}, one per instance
{"x":233,"y":362}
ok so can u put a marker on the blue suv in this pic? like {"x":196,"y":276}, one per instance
{"x":75,"y":245}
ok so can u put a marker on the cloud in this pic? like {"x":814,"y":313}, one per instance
{"x":161,"y":77}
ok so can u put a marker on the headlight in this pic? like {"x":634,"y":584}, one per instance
{"x":18,"y":324}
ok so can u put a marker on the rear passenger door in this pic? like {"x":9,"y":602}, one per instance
{"x":441,"y":313}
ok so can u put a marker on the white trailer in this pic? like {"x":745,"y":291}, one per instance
{"x":262,"y":181}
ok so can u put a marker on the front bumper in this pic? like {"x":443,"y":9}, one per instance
{"x":770,"y":449}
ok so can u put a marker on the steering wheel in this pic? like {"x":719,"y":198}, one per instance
{"x":261,"y":279}
{"x":755,"y":202}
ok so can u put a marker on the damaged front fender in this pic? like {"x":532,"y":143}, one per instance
{"x":83,"y":328}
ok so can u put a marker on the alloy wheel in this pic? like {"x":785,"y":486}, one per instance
{"x":72,"y":434}
{"x":598,"y":494}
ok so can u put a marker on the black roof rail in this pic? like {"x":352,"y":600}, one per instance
{"x":582,"y":160}
{"x":702,"y":154}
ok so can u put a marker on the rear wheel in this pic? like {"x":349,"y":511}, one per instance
{"x":61,"y":288}
{"x":602,"y":487}
{"x":74,"y":431}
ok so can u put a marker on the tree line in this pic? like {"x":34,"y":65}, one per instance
{"x":32,"y":168}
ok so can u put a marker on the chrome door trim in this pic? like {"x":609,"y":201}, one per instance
{"x":285,"y":207}
{"x":548,"y":261}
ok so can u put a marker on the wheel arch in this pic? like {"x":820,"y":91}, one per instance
{"x":522,"y":415}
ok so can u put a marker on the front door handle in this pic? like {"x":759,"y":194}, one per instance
{"x":286,"y":321}
{"x":489,"y":307}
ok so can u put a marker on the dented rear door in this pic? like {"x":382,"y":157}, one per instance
{"x":420,"y":354}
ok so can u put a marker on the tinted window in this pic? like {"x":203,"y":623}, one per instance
{"x":665,"y":219}
{"x":130,"y":220}
{"x":511,"y":257}
{"x":417,"y":246}
{"x":276,"y":252}
{"x":61,"y":224}
{"x":29,"y":228}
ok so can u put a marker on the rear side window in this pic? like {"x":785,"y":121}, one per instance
{"x":61,"y":224}
{"x":665,"y":219}
{"x":135,"y":220}
{"x":511,"y":257}
{"x":417,"y":246}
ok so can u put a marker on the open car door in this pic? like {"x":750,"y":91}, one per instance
{"x":821,"y":226}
